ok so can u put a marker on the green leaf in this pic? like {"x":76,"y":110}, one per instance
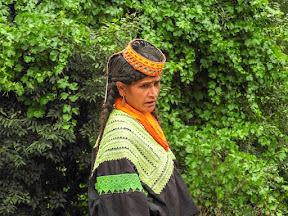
{"x":66,"y":126}
{"x":53,"y":55}
{"x":75,"y":111}
{"x":73,"y":86}
{"x":66,"y":108}
{"x":73,"y":98}
{"x":64,"y":95}
{"x":74,"y":122}
{"x":67,"y":117}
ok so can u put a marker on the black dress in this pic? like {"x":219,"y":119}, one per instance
{"x":145,"y":183}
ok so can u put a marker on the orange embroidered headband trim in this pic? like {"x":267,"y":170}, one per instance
{"x":142,"y":64}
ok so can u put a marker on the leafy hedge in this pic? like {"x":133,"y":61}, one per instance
{"x":223,"y":101}
{"x":226,"y":114}
{"x":52,"y":73}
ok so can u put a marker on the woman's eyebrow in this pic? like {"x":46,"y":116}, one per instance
{"x":147,"y":83}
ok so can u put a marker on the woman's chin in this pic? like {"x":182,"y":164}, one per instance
{"x":150,"y":109}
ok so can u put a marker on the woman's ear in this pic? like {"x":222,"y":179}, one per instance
{"x":121,"y":88}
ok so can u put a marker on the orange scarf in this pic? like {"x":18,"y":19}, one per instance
{"x":147,"y":120}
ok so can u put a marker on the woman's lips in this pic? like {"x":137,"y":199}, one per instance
{"x":150,"y":103}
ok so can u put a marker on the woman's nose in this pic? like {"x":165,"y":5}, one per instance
{"x":154,"y":91}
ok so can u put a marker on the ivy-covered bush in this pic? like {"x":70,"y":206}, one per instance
{"x":223,"y":100}
{"x":52,"y":84}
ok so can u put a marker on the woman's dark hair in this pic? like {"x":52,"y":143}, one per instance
{"x":120,"y":70}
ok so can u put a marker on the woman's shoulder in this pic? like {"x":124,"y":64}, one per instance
{"x":121,"y":127}
{"x":119,"y":120}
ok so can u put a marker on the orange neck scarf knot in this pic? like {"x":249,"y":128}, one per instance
{"x":147,"y":120}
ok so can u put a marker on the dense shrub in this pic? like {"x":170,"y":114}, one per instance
{"x":223,"y":101}
{"x":52,"y":84}
{"x":226,"y":114}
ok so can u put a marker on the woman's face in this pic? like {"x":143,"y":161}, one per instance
{"x":142,"y":95}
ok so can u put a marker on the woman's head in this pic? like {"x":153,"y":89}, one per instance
{"x":125,"y":71}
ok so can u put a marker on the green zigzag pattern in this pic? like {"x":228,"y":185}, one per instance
{"x":118,"y":183}
{"x":125,"y":137}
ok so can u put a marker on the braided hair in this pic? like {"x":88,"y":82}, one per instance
{"x":120,"y":70}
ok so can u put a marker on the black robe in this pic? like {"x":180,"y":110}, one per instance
{"x":174,"y":200}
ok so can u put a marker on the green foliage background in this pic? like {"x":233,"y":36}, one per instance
{"x":223,"y":101}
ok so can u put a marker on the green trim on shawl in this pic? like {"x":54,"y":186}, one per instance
{"x":125,"y":137}
{"x":118,"y":183}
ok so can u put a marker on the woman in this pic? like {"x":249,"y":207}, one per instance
{"x":133,"y":171}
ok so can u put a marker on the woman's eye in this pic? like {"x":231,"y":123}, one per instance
{"x":143,"y":86}
{"x":157,"y":83}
